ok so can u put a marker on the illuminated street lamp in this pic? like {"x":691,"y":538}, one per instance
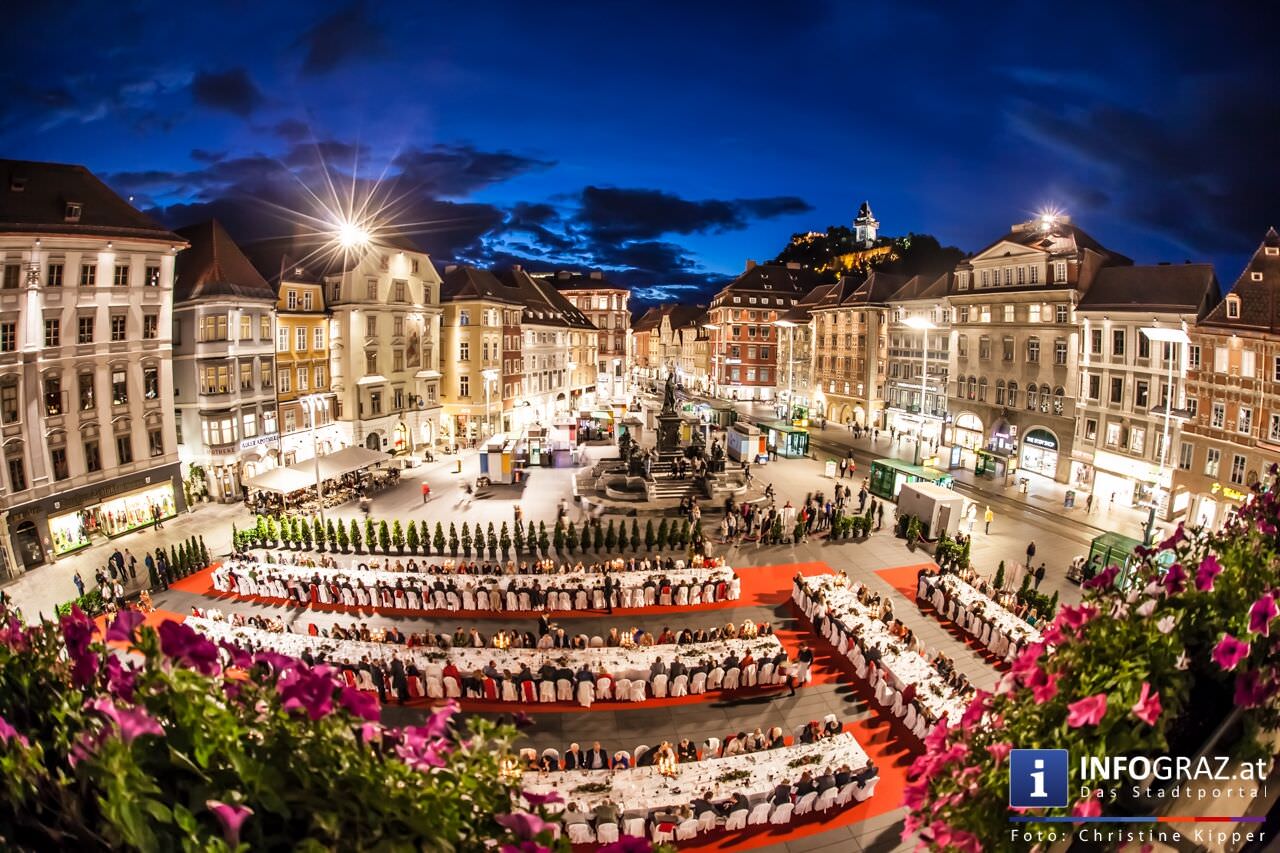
{"x":352,"y":235}
{"x":921,"y":325}
{"x":313,"y":404}
{"x":1170,"y":338}
{"x":791,"y":361}
{"x":490,"y":375}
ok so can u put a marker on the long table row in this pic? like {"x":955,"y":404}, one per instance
{"x":533,"y":675}
{"x":987,"y":621}
{"x":454,"y":592}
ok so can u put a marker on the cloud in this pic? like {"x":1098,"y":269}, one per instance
{"x":347,"y":35}
{"x":457,"y":170}
{"x":611,"y":214}
{"x":232,"y":91}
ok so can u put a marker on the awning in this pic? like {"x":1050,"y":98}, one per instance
{"x":344,"y":462}
{"x":284,"y":481}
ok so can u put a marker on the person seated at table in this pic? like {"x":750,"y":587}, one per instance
{"x":622,"y":760}
{"x":547,"y":673}
{"x":843,"y":776}
{"x":529,"y":758}
{"x":702,"y":804}
{"x":776,"y":739}
{"x":866,"y":773}
{"x":548,"y":763}
{"x":574,"y":758}
{"x":605,"y":813}
{"x":806,"y":785}
{"x":749,"y":631}
{"x":525,"y":674}
{"x":733,"y":745}
{"x":686,"y":751}
{"x":596,"y":758}
{"x":585,"y":675}
{"x":832,"y":728}
{"x":908,"y":694}
{"x":666,"y":819}
{"x":781,"y":793}
{"x":686,"y":636}
{"x":648,"y":757}
{"x":572,"y":814}
{"x":811,"y":733}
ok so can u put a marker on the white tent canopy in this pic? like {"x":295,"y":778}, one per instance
{"x":302,"y":475}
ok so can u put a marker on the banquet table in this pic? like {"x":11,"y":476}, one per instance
{"x":633,"y":665}
{"x":644,"y":788}
{"x":903,"y":665}
{"x":1004,"y":633}
{"x":468,"y":592}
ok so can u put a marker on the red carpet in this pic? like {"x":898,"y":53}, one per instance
{"x":904,"y":580}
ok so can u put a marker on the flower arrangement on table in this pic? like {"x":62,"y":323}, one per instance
{"x":593,"y":788}
{"x":1148,"y":664}
{"x":804,"y":761}
{"x":191,"y":745}
{"x":733,"y":776}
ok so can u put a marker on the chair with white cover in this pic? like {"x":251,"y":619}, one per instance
{"x":452,"y":689}
{"x":509,"y":693}
{"x":765,"y":675}
{"x":365,"y":680}
{"x":706,"y":821}
{"x":650,"y":596}
{"x":586,"y":693}
{"x":634,"y":826}
{"x":580,"y":600}
{"x":638,"y":690}
{"x":737,"y":820}
{"x":597,"y":599}
{"x":581,"y":833}
{"x":679,"y":685}
{"x":922,"y":727}
{"x":731,"y":678}
{"x":663,"y":833}
{"x":695,"y":594}
{"x":604,"y":688}
{"x":846,"y":794}
{"x":525,"y":600}
{"x":682,"y":596}
{"x":660,"y":686}
{"x":468,"y":599}
{"x":826,"y":800}
{"x":640,"y":750}
{"x":546,"y":691}
{"x":435,"y":688}
{"x":622,"y":689}
{"x":452,"y":600}
{"x":749,"y":675}
{"x":716,"y":678}
{"x":564,"y":690}
{"x":698,"y":684}
{"x":909,"y":718}
{"x":688,"y":828}
{"x":898,"y":708}
{"x":597,"y":642}
{"x":759,"y":814}
{"x":781,"y":814}
{"x":513,"y":601}
{"x":565,"y":600}
{"x":805,"y":804}
{"x":860,"y":665}
{"x":607,"y":833}
{"x":865,"y":789}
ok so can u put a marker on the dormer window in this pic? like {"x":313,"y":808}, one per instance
{"x":73,"y":211}
{"x":1233,"y":307}
{"x":17,"y":183}
{"x":1273,"y":250}
{"x":1255,"y":276}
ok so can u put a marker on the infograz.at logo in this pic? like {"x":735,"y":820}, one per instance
{"x":1038,"y":778}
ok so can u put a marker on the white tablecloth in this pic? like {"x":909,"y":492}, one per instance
{"x":905,"y":666}
{"x":620,"y":663}
{"x":1009,"y":632}
{"x":644,"y":788}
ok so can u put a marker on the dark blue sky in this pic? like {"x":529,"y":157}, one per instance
{"x":675,"y":140}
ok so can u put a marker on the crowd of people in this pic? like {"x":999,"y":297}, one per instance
{"x":485,"y":567}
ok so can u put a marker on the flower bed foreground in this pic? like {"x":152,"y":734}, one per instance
{"x":190,"y":746}
{"x":1148,"y":669}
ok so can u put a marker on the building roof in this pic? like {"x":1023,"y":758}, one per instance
{"x":576,"y":280}
{"x":1182,"y":288}
{"x":927,"y":286}
{"x":462,"y":283}
{"x":851,"y":292}
{"x":35,"y":198}
{"x":1259,"y":301}
{"x":214,"y":267}
{"x":649,"y":320}
{"x":1060,"y":238}
{"x":791,"y":279}
{"x":543,"y":304}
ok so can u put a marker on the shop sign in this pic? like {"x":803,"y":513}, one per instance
{"x":1041,"y":438}
{"x":259,"y":440}
{"x":1227,"y":492}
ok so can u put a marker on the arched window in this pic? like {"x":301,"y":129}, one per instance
{"x":999,"y":392}
{"x":982,"y":389}
{"x":10,"y":409}
{"x":1031,"y":396}
{"x":1013,"y":394}
{"x":973,"y":387}
{"x":1058,"y":394}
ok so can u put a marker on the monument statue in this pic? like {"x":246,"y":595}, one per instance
{"x":669,"y":395}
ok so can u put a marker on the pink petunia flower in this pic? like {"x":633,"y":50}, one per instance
{"x":1088,"y":711}
{"x":1175,"y":579}
{"x":1148,"y":707}
{"x":1261,"y":613}
{"x":77,"y":632}
{"x":999,"y":751}
{"x":231,"y":817}
{"x":125,"y":623}
{"x":1046,"y":688}
{"x":1087,"y":807}
{"x":536,"y":800}
{"x":523,"y":824}
{"x":185,"y":645}
{"x":1229,"y":652}
{"x":1104,"y":579}
{"x":1252,"y":689}
{"x":8,"y":733}
{"x":1209,"y":570}
{"x":1075,"y":618}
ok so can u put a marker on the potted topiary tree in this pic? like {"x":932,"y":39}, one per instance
{"x":635,"y":535}
{"x":411,"y":538}
{"x":466,"y":540}
{"x":611,"y":538}
{"x":597,"y":537}
{"x":453,"y":540}
{"x":650,"y":538}
{"x":518,"y":540}
{"x":344,"y":540}
{"x":357,"y":540}
{"x":571,"y":538}
{"x":370,"y":534}
{"x":663,"y":534}
{"x":558,"y":538}
{"x":331,"y":533}
{"x":303,"y":531}
{"x":504,"y":542}
{"x":318,"y":533}
{"x":437,"y":539}
{"x":544,"y":541}
{"x":397,"y":536}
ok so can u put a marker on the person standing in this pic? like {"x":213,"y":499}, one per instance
{"x":1088,"y":504}
{"x":132,"y":562}
{"x":608,"y":592}
{"x":988,"y":517}
{"x":79,"y":582}
{"x":973,"y":516}
{"x":879,"y":515}
{"x":1039,"y":575}
{"x":1031,"y":553}
{"x":843,"y":466}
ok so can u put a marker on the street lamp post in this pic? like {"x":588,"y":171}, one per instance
{"x":922,"y":325}
{"x":489,"y":374}
{"x":791,"y":363}
{"x":313,"y":403}
{"x":1170,"y":338}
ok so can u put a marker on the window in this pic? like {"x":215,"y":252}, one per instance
{"x":246,"y":327}
{"x":1013,"y":394}
{"x":92,"y":456}
{"x":121,"y":276}
{"x":1238,"y":463}
{"x":300,"y":339}
{"x":8,"y":337}
{"x":151,"y":382}
{"x":1033,"y":350}
{"x":371,"y":290}
{"x":1060,"y":314}
{"x":1233,"y":307}
{"x":1273,"y":432}
{"x":84,"y":332}
{"x":53,"y":332}
{"x":264,"y":327}
{"x":1008,"y":313}
{"x":53,"y":277}
{"x":266,"y":375}
{"x":1033,"y":274}
{"x":397,"y":326}
{"x":984,"y":347}
{"x":375,"y":402}
{"x":1144,"y":346}
{"x":371,"y":363}
{"x":401,"y":291}
{"x":1141,"y":390}
{"x":53,"y":395}
{"x":215,"y":379}
{"x":9,"y":410}
{"x":982,"y":389}
{"x":1113,"y":435}
{"x":124,"y":449}
{"x":1248,"y":363}
{"x":1193,"y":358}
{"x":85,"y":386}
{"x":1117,"y":342}
{"x":1137,"y":440}
{"x":119,"y":386}
{"x":464,"y":317}
{"x":319,"y":382}
{"x":1033,"y":392}
{"x":984,"y":315}
{"x":1060,"y":351}
{"x":1218,"y":415}
{"x":88,"y":275}
{"x":1022,"y":275}
{"x":213,"y":327}
{"x":303,"y":376}
{"x":1221,"y":358}
{"x":1185,"y":451}
{"x":964,"y":314}
{"x":117,"y":328}
{"x":17,"y":471}
{"x":1091,"y":429}
{"x":1059,"y":271}
{"x":1212,"y":461}
{"x":155,"y":441}
{"x":318,"y":338}
{"x":1244,"y":422}
{"x":464,"y":351}
{"x":1095,"y":341}
{"x":1095,"y":386}
{"x":246,"y":375}
{"x":152,"y":276}
{"x":986,"y":278}
{"x":150,"y":326}
{"x":371,"y":326}
{"x":1033,"y":313}
{"x":962,"y":346}
{"x":1117,"y":390}
{"x":285,"y":378}
{"x":291,"y":300}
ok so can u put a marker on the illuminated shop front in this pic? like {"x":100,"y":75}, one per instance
{"x":1040,"y":453}
{"x":133,"y":510}
{"x":69,"y":532}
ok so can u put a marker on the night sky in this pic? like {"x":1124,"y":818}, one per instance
{"x":667,"y":141}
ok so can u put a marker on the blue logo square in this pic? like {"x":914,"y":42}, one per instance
{"x":1038,"y":778}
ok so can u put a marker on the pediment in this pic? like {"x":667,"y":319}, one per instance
{"x":1008,"y":250}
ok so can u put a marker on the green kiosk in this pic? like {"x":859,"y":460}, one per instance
{"x":785,"y":439}
{"x":889,"y":475}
